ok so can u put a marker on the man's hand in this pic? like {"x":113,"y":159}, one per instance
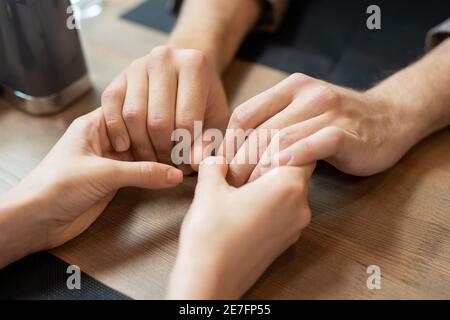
{"x":230,"y":236}
{"x":357,"y":133}
{"x":179,"y":83}
{"x":360,"y":133}
{"x":70,"y":188}
{"x":165,"y":90}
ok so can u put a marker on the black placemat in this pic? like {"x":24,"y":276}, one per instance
{"x":329,"y":39}
{"x":43,"y":276}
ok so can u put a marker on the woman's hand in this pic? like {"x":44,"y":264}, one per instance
{"x":230,"y":236}
{"x":166,"y":90}
{"x":70,"y":188}
{"x":358,"y":133}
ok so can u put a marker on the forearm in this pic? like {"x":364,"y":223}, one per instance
{"x":195,"y":276}
{"x":216,"y":27}
{"x":422,"y":92}
{"x":19,"y":226}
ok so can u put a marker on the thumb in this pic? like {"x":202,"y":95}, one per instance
{"x":212,"y":172}
{"x":149,"y":175}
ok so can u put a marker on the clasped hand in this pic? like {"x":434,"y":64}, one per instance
{"x":228,"y":234}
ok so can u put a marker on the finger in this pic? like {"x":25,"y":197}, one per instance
{"x":205,"y":146}
{"x":217,"y":113}
{"x":248,"y":156}
{"x":112,"y":104}
{"x":161,"y":103}
{"x":293,"y":183}
{"x":212,"y":173}
{"x":215,"y":122}
{"x":198,"y":153}
{"x":329,"y":142}
{"x":284,"y":139}
{"x":259,"y":109}
{"x":149,"y":175}
{"x":307,"y":105}
{"x":192,"y":94}
{"x":250,"y":152}
{"x":283,"y":182}
{"x":135,"y":112}
{"x":287,"y":174}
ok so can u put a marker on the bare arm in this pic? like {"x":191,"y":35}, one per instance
{"x":70,"y":188}
{"x":215,"y":27}
{"x":360,"y":133}
{"x":423,"y":90}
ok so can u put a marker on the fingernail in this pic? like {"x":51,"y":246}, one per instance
{"x":174,"y":176}
{"x":120,"y":144}
{"x":284,"y":158}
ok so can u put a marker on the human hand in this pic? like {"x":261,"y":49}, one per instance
{"x":70,"y":188}
{"x":230,"y":236}
{"x":358,"y":133}
{"x":165,"y":90}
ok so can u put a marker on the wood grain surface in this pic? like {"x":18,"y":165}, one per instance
{"x":398,"y":220}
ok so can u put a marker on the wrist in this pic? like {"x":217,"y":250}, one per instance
{"x":210,"y":48}
{"x":200,"y":275}
{"x":22,"y":226}
{"x":420,"y":92}
{"x":193,"y":278}
{"x":219,"y":32}
{"x":409,"y":114}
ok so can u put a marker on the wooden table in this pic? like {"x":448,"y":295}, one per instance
{"x":398,"y":220}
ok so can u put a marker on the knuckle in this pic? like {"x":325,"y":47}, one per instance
{"x":194,"y":58}
{"x":307,"y":149}
{"x":294,"y":186}
{"x":161,"y":53}
{"x":328,"y":96}
{"x":185,"y":122}
{"x":146,"y":171}
{"x":298,"y":79}
{"x":136,"y":64}
{"x":84,"y":123}
{"x":157,"y":123}
{"x":238,"y":118}
{"x":131,"y":116}
{"x":336,"y":135}
{"x":112,"y":94}
{"x":285,"y":139}
{"x":113,"y":122}
{"x":288,"y":183}
{"x":79,"y":122}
